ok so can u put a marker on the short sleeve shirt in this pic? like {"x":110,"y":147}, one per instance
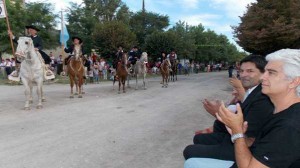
{"x":278,"y":144}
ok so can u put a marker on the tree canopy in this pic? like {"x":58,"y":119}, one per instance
{"x":106,"y":24}
{"x":268,"y":26}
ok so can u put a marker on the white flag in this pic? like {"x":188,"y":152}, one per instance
{"x":2,"y":11}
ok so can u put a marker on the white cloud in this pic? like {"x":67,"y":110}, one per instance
{"x":206,"y":20}
{"x":233,"y":8}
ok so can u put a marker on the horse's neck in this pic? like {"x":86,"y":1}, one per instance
{"x":35,"y":57}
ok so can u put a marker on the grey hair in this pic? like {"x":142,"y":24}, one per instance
{"x":291,"y":62}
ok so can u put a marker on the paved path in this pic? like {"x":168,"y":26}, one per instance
{"x":138,"y":129}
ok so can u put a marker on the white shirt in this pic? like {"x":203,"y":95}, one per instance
{"x":8,"y":64}
{"x":248,"y":92}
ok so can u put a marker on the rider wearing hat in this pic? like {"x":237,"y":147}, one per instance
{"x":77,"y":43}
{"x":38,"y":46}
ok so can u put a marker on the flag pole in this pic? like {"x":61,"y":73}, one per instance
{"x":62,"y":40}
{"x":62,"y":35}
{"x":8,"y":28}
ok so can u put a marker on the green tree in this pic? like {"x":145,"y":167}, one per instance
{"x":160,"y":41}
{"x":83,"y":19}
{"x":109,"y":36}
{"x":268,"y":26}
{"x":185,"y":44}
{"x":39,"y":14}
{"x":145,"y":23}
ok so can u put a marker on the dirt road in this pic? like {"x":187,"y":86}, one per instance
{"x":138,"y":129}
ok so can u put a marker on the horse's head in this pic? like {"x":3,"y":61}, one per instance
{"x":77,"y":51}
{"x":144,"y":57}
{"x":167,"y":62}
{"x":25,"y":45}
{"x":124,"y":58}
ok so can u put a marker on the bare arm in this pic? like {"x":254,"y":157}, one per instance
{"x":235,"y":122}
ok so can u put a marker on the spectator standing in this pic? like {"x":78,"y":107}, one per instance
{"x":59,"y":62}
{"x":7,"y":66}
{"x":96,"y":73}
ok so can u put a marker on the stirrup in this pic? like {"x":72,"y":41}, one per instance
{"x":14,"y":74}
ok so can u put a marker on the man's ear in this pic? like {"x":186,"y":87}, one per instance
{"x":295,"y":83}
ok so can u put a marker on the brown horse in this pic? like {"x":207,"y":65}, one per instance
{"x":174,"y":66}
{"x":121,"y":73}
{"x":76,"y":71}
{"x":164,"y":70}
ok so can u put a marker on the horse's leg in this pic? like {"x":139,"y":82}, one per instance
{"x":136,"y":82}
{"x":119,"y":85}
{"x":114,"y":81}
{"x":30,"y":91}
{"x":123,"y":83}
{"x":144,"y":80}
{"x":128,"y":77}
{"x":167,"y":81}
{"x":162,"y":81}
{"x":39,"y":84}
{"x":43,"y":97}
{"x":80,"y":82}
{"x":71,"y":85}
{"x":76,"y":84}
{"x":27,"y":94}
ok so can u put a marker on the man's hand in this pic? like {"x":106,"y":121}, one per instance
{"x":238,"y":88}
{"x":233,"y":121}
{"x":212,"y":107}
{"x":36,"y":49}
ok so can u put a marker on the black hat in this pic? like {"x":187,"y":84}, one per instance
{"x":32,"y":27}
{"x":75,"y":37}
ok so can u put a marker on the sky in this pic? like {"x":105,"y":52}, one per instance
{"x":216,"y":15}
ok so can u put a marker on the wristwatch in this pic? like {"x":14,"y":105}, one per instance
{"x":236,"y":136}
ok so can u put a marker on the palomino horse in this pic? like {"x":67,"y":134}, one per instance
{"x":164,"y":70}
{"x":76,"y":71}
{"x":121,"y":73}
{"x":31,"y":71}
{"x":140,"y":68}
{"x":174,"y":66}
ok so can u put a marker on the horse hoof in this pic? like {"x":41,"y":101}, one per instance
{"x":80,"y":96}
{"x":124,"y":91}
{"x":43,"y":100}
{"x":39,"y":106}
{"x":76,"y":94}
{"x":71,"y":97}
{"x":30,"y":101}
{"x":82,"y":92}
{"x":119,"y":92}
{"x":26,"y":108}
{"x":145,"y":88}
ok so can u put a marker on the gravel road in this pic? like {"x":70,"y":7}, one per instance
{"x":138,"y":129}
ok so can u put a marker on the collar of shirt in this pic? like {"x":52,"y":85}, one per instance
{"x":248,"y":92}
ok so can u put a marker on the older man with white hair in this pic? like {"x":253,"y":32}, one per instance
{"x":277,"y":144}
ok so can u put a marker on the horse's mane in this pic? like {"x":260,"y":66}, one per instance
{"x":144,"y":57}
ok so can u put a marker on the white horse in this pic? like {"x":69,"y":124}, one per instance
{"x":31,"y":71}
{"x":140,"y":68}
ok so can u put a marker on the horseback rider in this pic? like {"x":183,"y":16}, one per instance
{"x":77,"y":45}
{"x":133,"y":55}
{"x":172,"y":56}
{"x":38,"y":46}
{"x":118,"y":57}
